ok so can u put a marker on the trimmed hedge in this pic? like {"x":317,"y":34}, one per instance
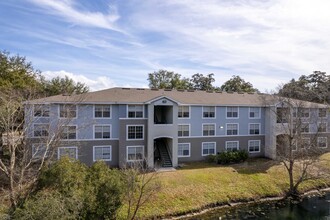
{"x":228,"y":157}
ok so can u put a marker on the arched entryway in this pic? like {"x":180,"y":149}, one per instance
{"x":163,"y":152}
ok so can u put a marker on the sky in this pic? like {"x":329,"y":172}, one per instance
{"x":109,"y":43}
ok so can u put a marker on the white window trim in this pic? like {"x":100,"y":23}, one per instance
{"x":259,"y":113}
{"x":40,"y":124}
{"x":41,"y":116}
{"x":188,"y":148}
{"x":309,"y":128}
{"x":73,"y":147}
{"x":140,"y":139}
{"x":215,"y":148}
{"x":76,"y":132}
{"x":309,"y":142}
{"x":189,"y":109}
{"x":259,"y":129}
{"x":188,"y":131}
{"x":134,"y":146}
{"x":252,"y":152}
{"x":102,"y":138}
{"x":237,"y":112}
{"x":215,"y":112}
{"x":326,"y":127}
{"x":135,"y":112}
{"x":102,"y":117}
{"x":59,"y":111}
{"x":326,"y":113}
{"x":215,"y":129}
{"x":232,"y":142}
{"x":326,"y":142}
{"x":237,"y":129}
{"x":99,"y":146}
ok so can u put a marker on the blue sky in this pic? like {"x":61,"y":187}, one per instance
{"x":106,"y":43}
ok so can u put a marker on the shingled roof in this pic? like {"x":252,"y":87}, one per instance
{"x":184,"y":97}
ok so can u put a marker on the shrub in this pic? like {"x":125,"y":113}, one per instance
{"x":232,"y":157}
{"x":211,"y":158}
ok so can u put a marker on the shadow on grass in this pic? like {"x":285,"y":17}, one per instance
{"x":251,"y":166}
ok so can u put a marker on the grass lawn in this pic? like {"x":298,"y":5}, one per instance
{"x":200,"y":184}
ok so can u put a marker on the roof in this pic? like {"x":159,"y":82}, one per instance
{"x":182,"y":97}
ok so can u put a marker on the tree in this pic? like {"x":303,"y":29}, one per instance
{"x":299,"y":140}
{"x":64,"y":85}
{"x":164,"y":79}
{"x":237,"y":84}
{"x":201,"y":82}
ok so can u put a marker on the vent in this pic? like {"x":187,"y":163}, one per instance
{"x":240,"y":92}
{"x":139,"y":89}
{"x":191,"y":90}
{"x":167,"y":89}
{"x":154,"y":89}
{"x":209,"y":91}
{"x":230,"y":92}
{"x":251,"y":93}
{"x":218,"y":91}
{"x":126,"y":88}
{"x":180,"y":90}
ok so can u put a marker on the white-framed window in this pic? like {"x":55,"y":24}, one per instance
{"x":323,"y":112}
{"x":71,"y":152}
{"x":302,"y":113}
{"x":184,"y":111}
{"x":135,"y":111}
{"x":184,"y":150}
{"x":102,"y":153}
{"x":135,"y":132}
{"x":102,"y":131}
{"x":294,"y":145}
{"x":183,"y":130}
{"x":304,"y":128}
{"x":322,"y":142}
{"x":232,"y":145}
{"x":232,"y":129}
{"x":41,"y":110}
{"x":322,"y":127}
{"x":254,"y":128}
{"x":69,"y":132}
{"x":208,"y":111}
{"x":38,"y":150}
{"x":254,"y":112}
{"x":208,"y":129}
{"x":208,"y":148}
{"x":305,"y":143}
{"x":102,"y":111}
{"x":40,"y":130}
{"x":254,"y":146}
{"x":68,"y":111}
{"x":232,"y":112}
{"x":135,"y":153}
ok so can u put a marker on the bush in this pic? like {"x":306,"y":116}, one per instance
{"x":232,"y":157}
{"x":211,"y":158}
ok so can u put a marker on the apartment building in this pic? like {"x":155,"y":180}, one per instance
{"x":164,"y":127}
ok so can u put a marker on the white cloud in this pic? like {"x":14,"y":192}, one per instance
{"x":97,"y":83}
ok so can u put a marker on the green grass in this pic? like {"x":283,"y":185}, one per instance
{"x":200,"y":184}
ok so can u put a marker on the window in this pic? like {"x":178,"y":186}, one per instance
{"x":282,"y":115}
{"x":102,"y":131}
{"x":41,"y":110}
{"x":183,"y":150}
{"x":135,"y":153}
{"x":254,"y":112}
{"x":232,"y":112}
{"x":302,"y":113}
{"x":71,"y":152}
{"x":322,"y":112}
{"x":322,"y":127}
{"x":135,"y":132}
{"x":294,"y":144}
{"x":208,"y":148}
{"x":69,"y":132}
{"x":102,"y":153}
{"x":232,"y":129}
{"x":135,"y":111}
{"x":183,"y":112}
{"x":305,"y":143}
{"x":40,"y":130}
{"x":254,"y":146}
{"x":102,"y":111}
{"x":254,"y":128}
{"x":208,"y":129}
{"x":38,"y":151}
{"x":304,"y":128}
{"x":232,"y":145}
{"x":183,"y":130}
{"x":68,"y":111}
{"x":322,"y":142}
{"x":208,"y":112}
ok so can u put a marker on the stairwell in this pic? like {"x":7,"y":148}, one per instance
{"x":165,"y":157}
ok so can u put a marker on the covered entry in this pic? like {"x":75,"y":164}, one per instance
{"x":162,"y":152}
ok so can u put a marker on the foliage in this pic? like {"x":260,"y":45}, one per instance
{"x":232,"y":157}
{"x":164,"y":79}
{"x":314,"y":87}
{"x":237,"y":84}
{"x":211,"y":158}
{"x":64,"y":85}
{"x":201,"y":82}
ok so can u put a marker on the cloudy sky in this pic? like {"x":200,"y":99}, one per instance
{"x":106,"y":43}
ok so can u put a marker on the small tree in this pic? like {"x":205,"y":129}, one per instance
{"x":237,"y":84}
